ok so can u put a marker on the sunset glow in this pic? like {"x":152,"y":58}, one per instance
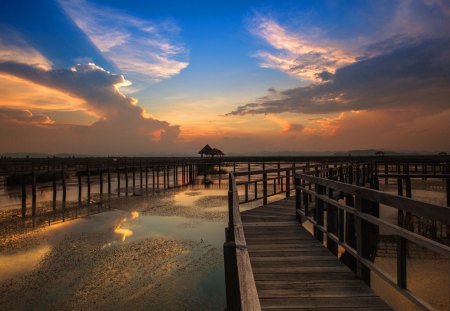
{"x":79,"y":76}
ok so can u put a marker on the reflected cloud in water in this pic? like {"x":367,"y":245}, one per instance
{"x":125,"y":232}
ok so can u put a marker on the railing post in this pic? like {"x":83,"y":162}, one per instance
{"x":319,"y":213}
{"x":264,"y":188}
{"x":401,"y":262}
{"x":24,"y":197}
{"x":298,"y":198}
{"x":288,"y":183}
{"x":358,"y":231}
{"x":332,"y":224}
{"x":230,"y":237}
{"x":231,"y":276}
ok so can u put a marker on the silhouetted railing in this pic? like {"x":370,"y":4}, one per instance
{"x":354,"y":226}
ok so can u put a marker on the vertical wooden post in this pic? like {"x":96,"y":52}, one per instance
{"x":157,"y":177}
{"x":400,"y":218}
{"x":248,"y":170}
{"x":175,"y":176}
{"x":183,"y":166}
{"x":447,"y":190}
{"x":153,"y":177}
{"x":234,"y":166}
{"x":220,"y":173}
{"x":54,"y":194}
{"x":118,"y":179}
{"x":401,"y":261}
{"x":298,"y":198}
{"x":288,"y":183}
{"x":79,"y":195}
{"x":359,"y":234}
{"x":64,"y":191}
{"x":140,"y":176}
{"x":109,"y":179}
{"x":319,"y":213}
{"x":278,"y":174}
{"x":246,"y":192}
{"x":332,"y":224}
{"x":146,"y":176}
{"x":264,"y":187}
{"x":386,"y":171}
{"x":24,"y":197}
{"x":133,"y":168}
{"x":164,"y":177}
{"x":88,"y":187}
{"x":126,"y":179}
{"x":100,"y":178}
{"x":33,"y":195}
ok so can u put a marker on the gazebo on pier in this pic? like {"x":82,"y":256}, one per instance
{"x":210,"y":152}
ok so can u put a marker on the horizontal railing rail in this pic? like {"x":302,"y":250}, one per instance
{"x":354,"y":226}
{"x":240,"y":283}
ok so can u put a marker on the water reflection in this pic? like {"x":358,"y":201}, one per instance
{"x":125,"y":232}
{"x":24,"y":261}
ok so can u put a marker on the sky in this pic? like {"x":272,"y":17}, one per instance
{"x":166,"y":77}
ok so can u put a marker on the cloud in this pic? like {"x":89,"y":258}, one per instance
{"x":13,"y":48}
{"x":136,"y":46}
{"x":295,"y":53}
{"x":415,"y":76}
{"x":286,"y":126}
{"x":24,"y":116}
{"x":121,"y":125}
{"x":17,"y":93}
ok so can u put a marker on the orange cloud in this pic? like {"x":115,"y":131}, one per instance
{"x":286,"y":126}
{"x":21,"y":94}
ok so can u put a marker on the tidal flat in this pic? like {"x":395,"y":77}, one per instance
{"x":161,"y":252}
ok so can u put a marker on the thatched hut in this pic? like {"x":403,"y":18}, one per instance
{"x":210,"y":152}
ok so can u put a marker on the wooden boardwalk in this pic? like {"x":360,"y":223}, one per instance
{"x":293,"y":270}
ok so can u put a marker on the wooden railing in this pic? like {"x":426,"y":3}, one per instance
{"x":240,"y":283}
{"x":354,"y":225}
{"x":262,"y":184}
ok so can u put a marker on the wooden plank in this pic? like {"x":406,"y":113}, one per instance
{"x":319,"y":302}
{"x":324,"y":292}
{"x":292,"y":270}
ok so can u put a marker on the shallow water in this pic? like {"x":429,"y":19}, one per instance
{"x":148,"y":259}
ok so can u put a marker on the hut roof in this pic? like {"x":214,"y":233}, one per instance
{"x":217,"y":151}
{"x":206,"y":150}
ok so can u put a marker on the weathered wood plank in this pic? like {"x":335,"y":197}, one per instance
{"x":318,"y":302}
{"x":294,"y":271}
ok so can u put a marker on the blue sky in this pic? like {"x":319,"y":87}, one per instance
{"x":275,"y":68}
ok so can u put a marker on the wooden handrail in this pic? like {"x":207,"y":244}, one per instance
{"x":419,"y":208}
{"x":362,"y":220}
{"x":241,"y":287}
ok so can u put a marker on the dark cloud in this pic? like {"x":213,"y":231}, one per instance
{"x":325,"y":76}
{"x":295,"y":127}
{"x":416,"y":75}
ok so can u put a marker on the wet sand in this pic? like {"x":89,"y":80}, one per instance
{"x":172,"y":260}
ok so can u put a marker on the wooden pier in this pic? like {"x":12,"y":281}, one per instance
{"x":292,"y":270}
{"x":273,"y":262}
